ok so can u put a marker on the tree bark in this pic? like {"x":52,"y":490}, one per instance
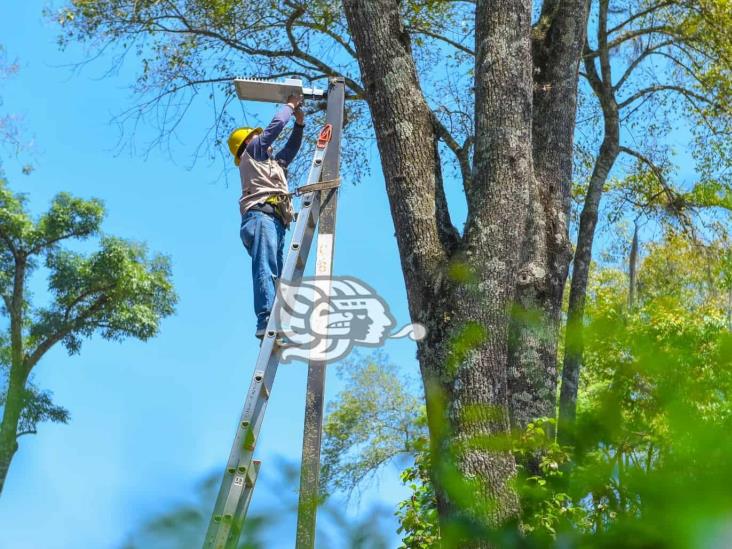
{"x":609,"y":150}
{"x":557,"y":41}
{"x":18,"y":374}
{"x":426,"y":239}
{"x":11,"y":417}
{"x":633,"y":269}
{"x":464,"y":358}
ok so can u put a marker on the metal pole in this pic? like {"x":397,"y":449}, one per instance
{"x":313,"y":428}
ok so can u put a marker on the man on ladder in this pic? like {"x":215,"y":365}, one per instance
{"x":266,"y":204}
{"x":317,"y":212}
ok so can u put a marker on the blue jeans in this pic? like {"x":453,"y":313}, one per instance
{"x":263,"y":236}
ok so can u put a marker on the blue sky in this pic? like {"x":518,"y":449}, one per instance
{"x":151,"y":420}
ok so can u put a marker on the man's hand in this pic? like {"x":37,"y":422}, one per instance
{"x":295,"y":100}
{"x":299,"y":116}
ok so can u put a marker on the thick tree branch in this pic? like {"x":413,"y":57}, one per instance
{"x":63,"y":331}
{"x":605,"y":67}
{"x":557,"y":41}
{"x":593,"y":76}
{"x":53,"y":241}
{"x":8,"y":243}
{"x":405,"y":132}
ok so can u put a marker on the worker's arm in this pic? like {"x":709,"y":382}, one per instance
{"x":288,"y":152}
{"x":259,"y":146}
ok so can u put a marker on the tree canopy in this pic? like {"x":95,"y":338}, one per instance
{"x":117,"y":291}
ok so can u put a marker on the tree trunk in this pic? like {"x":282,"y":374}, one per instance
{"x":18,"y":374}
{"x":11,"y":417}
{"x":574,"y":339}
{"x":426,"y":240}
{"x":557,"y":42}
{"x":574,"y":343}
{"x":632,"y":269}
{"x":464,"y":358}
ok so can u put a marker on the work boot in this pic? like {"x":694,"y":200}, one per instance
{"x":281,"y":340}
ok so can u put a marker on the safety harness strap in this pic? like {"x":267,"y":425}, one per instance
{"x":322,"y":186}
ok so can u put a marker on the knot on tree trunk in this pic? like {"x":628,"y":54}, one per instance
{"x":531,"y":274}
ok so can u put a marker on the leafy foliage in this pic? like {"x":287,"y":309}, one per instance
{"x":189,"y":51}
{"x":116,"y":291}
{"x":651,"y":452}
{"x":373,"y":395}
{"x":418,"y":520}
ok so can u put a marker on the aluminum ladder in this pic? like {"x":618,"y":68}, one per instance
{"x":240,"y":476}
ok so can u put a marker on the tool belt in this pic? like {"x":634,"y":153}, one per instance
{"x":278,"y":204}
{"x":275,"y":205}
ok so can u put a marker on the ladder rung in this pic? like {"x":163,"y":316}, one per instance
{"x":250,"y":440}
{"x":253,"y":473}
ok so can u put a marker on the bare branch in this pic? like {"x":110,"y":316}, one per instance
{"x":650,"y":50}
{"x":686,"y":93}
{"x":314,"y":61}
{"x":440,"y":37}
{"x":640,"y":14}
{"x":667,"y":190}
{"x":461,"y":152}
{"x":334,"y":36}
{"x":664,"y":30}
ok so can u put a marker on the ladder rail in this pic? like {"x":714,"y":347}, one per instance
{"x":227,"y":509}
{"x":268,"y":359}
{"x":315,"y":391}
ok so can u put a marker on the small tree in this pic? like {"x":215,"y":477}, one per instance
{"x":116,"y":291}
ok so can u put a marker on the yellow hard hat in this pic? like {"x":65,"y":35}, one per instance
{"x":237,"y":137}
